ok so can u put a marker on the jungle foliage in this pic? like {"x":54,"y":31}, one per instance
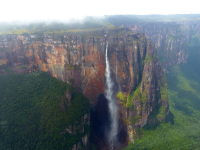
{"x":31,"y":116}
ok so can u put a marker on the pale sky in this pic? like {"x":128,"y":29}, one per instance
{"x":43,"y":10}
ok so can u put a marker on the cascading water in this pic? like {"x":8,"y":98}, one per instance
{"x":116,"y":62}
{"x":112,"y":135}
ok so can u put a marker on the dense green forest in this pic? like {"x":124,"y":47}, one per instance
{"x":31,"y":116}
{"x":183,"y":129}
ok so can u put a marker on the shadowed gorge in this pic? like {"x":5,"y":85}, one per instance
{"x":100,"y":123}
{"x":100,"y":126}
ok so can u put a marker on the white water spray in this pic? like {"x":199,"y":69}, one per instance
{"x":112,"y":135}
{"x":116,"y":62}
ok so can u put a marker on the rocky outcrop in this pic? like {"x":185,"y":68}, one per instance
{"x":147,"y":89}
{"x":79,"y":59}
{"x":171,"y":39}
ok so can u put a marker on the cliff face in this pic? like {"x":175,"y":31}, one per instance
{"x":79,"y":58}
{"x":171,"y":39}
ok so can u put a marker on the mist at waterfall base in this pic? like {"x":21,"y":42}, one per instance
{"x":112,"y":133}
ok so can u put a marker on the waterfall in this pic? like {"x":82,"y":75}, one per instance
{"x":116,"y":62}
{"x":112,"y":135}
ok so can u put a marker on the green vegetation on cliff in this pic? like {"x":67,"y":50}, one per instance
{"x":142,"y":97}
{"x":120,"y":95}
{"x":31,"y":115}
{"x":183,"y":129}
{"x":150,"y":58}
{"x":163,"y":92}
{"x":129,"y":103}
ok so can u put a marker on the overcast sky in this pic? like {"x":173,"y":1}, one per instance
{"x":29,"y":10}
